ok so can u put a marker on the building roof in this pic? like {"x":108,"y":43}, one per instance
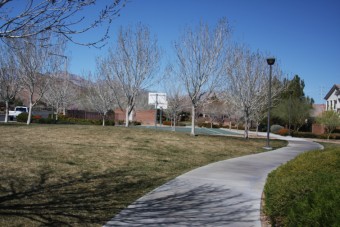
{"x":335,"y":87}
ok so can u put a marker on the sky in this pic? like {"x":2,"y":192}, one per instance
{"x":304,"y":36}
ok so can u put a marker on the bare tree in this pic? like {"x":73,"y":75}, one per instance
{"x":99,"y":94}
{"x":60,"y":93}
{"x":200,"y":57}
{"x":214,"y":109}
{"x":10,"y":82}
{"x":131,"y":66}
{"x":25,"y":18}
{"x":36,"y":64}
{"x":175,"y":96}
{"x":248,"y":82}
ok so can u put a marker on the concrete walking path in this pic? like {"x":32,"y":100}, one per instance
{"x":225,"y":193}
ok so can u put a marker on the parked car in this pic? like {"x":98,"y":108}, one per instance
{"x":17,"y":110}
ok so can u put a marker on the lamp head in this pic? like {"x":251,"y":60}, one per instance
{"x":270,"y":61}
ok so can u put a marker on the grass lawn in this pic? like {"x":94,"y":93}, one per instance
{"x":83,"y":175}
{"x":306,"y":190}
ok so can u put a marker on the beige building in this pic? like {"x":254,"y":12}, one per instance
{"x":333,"y":98}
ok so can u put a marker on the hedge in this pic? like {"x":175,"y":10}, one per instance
{"x":305,"y":191}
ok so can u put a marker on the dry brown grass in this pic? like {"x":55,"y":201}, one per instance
{"x":83,"y":175}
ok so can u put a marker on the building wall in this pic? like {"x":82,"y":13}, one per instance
{"x":146,"y":117}
{"x":333,"y":102}
{"x":318,"y":129}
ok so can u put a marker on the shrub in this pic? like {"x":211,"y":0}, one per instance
{"x":136,"y":123}
{"x":207,"y":125}
{"x":283,"y":132}
{"x":304,"y":134}
{"x":47,"y":121}
{"x":22,"y":117}
{"x":167,"y":123}
{"x":305,"y":191}
{"x":275,"y":128}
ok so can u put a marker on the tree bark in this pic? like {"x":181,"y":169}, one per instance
{"x":193,"y":114}
{"x":127,"y":115}
{"x":7,"y":111}
{"x":29,"y":113}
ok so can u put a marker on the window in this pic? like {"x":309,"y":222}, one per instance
{"x":334,"y":104}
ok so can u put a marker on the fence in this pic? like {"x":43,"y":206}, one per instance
{"x":82,"y":114}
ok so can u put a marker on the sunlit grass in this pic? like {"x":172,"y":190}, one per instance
{"x":84,"y":175}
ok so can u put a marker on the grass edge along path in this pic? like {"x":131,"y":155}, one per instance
{"x":306,"y":190}
{"x":83,"y":175}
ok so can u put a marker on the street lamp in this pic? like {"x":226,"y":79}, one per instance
{"x":270,"y":62}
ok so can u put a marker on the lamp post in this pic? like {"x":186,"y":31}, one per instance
{"x":270,"y":62}
{"x":290,"y":109}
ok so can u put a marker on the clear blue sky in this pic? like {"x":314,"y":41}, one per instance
{"x":304,"y":36}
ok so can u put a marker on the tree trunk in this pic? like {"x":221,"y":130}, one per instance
{"x":56,"y":116}
{"x":246,"y":126}
{"x":193,"y":114}
{"x":127,"y":116}
{"x":29,"y":113}
{"x":7,"y":111}
{"x":175,"y":122}
{"x":103,"y":120}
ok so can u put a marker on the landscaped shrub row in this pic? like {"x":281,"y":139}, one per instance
{"x":306,"y":190}
{"x":61,"y":120}
{"x":208,"y":125}
{"x":312,"y":135}
{"x":168,"y":123}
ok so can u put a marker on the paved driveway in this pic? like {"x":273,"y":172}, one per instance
{"x":226,"y":193}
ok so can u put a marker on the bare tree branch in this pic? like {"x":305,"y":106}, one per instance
{"x":25,"y":18}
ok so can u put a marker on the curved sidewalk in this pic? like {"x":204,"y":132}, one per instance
{"x":220,"y":194}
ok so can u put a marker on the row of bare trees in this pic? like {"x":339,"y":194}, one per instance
{"x":207,"y":64}
{"x":29,"y":54}
{"x":28,"y":64}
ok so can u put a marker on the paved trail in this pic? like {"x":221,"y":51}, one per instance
{"x":226,"y":193}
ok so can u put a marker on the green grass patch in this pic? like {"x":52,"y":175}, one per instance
{"x":306,"y":190}
{"x":82,"y":175}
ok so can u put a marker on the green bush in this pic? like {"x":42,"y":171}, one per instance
{"x":283,"y":132}
{"x":312,"y":135}
{"x":207,"y":125}
{"x":136,"y":123}
{"x":22,"y":117}
{"x":305,"y":191}
{"x":275,"y":128}
{"x":47,"y":121}
{"x":304,"y":134}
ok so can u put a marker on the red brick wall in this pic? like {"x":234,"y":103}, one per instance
{"x":318,"y":129}
{"x":146,"y":117}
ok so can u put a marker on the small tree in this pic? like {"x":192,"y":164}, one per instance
{"x":10,"y":82}
{"x":131,"y":66}
{"x":248,"y":83}
{"x":331,"y":120}
{"x":214,"y":109}
{"x":200,"y":62}
{"x":99,"y":95}
{"x":175,"y":95}
{"x":36,"y":64}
